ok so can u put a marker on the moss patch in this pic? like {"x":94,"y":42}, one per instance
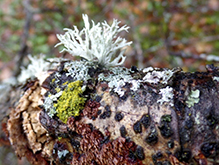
{"x":70,"y":102}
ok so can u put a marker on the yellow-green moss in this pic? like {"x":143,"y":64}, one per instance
{"x":70,"y":102}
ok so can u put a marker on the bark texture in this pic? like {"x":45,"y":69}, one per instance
{"x":169,"y":123}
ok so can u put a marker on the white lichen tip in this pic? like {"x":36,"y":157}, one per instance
{"x":97,"y":42}
{"x":167,"y":96}
{"x":37,"y":68}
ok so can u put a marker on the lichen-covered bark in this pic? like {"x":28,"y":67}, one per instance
{"x":150,"y":119}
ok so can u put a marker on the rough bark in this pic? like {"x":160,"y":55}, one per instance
{"x":141,"y":126}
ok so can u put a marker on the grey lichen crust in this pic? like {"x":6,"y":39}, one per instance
{"x":116,"y":77}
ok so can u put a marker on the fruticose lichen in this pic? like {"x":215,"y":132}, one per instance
{"x":70,"y":102}
{"x":97,"y":43}
{"x":36,"y":68}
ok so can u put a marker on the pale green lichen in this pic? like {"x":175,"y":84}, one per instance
{"x":48,"y":103}
{"x":48,"y":106}
{"x":62,"y":153}
{"x":193,"y":98}
{"x":118,"y":78}
{"x":78,"y":70}
{"x":198,"y":118}
{"x":70,"y":103}
{"x":216,"y":78}
{"x":158,"y":76}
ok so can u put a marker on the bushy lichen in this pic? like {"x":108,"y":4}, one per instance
{"x":70,"y":102}
{"x":96,"y":42}
{"x":36,"y":68}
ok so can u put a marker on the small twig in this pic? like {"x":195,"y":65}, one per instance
{"x":183,"y":55}
{"x":188,"y":41}
{"x":24,"y":48}
{"x":206,"y":57}
{"x":3,"y":47}
{"x":137,"y":46}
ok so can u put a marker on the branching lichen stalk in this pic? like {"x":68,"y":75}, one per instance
{"x":98,"y":42}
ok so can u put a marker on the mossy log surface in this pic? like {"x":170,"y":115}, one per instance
{"x":141,"y":126}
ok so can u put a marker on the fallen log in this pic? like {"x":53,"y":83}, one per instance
{"x":147,"y":116}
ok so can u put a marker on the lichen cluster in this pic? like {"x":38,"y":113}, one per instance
{"x":126,"y":116}
{"x":70,"y":102}
{"x":65,"y":96}
{"x":117,"y":79}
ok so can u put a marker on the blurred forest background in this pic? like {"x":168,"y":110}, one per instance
{"x":165,"y":33}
